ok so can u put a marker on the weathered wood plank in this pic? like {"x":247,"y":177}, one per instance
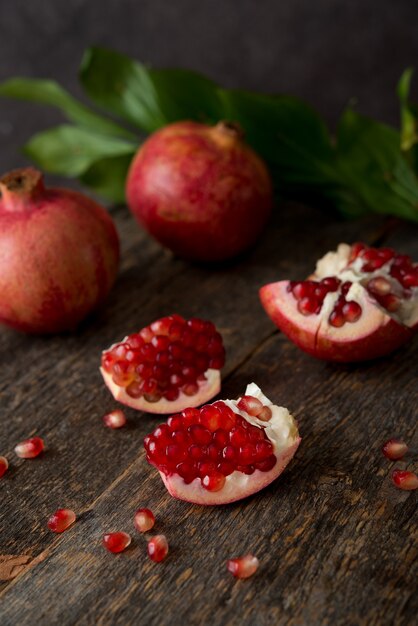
{"x":331,"y":530}
{"x":51,"y":386}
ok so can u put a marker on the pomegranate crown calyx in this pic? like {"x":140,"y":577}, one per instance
{"x":20,"y":186}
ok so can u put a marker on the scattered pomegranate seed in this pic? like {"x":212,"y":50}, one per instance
{"x":144,"y":520}
{"x":157,"y":548}
{"x":115,"y":419}
{"x":395,"y":449}
{"x":61,"y":520}
{"x":243,"y":567}
{"x":116,"y":542}
{"x":405,"y":480}
{"x":29,"y":448}
{"x":4,"y":464}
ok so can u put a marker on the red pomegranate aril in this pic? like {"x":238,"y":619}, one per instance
{"x":213,"y":452}
{"x":263,"y":449}
{"x":171,"y":394}
{"x":206,"y":468}
{"x":29,"y":448}
{"x":395,"y":449}
{"x":176,"y":454}
{"x":246,"y":469}
{"x":331,"y":283}
{"x":243,"y":567}
{"x":196,"y":453}
{"x":61,"y":520}
{"x":190,"y":389}
{"x":308,"y":305}
{"x":226,"y":468}
{"x":221,"y":438}
{"x":410,"y":280}
{"x":267,"y":464}
{"x":214,"y":481}
{"x":4,"y":465}
{"x":379,"y":285}
{"x":116,"y":542}
{"x":200,"y":434}
{"x":266,"y":414}
{"x":230,"y":453}
{"x":115,"y":419}
{"x":175,"y":422}
{"x":405,"y":480}
{"x":181,"y":437}
{"x":134,"y":390}
{"x":157,"y":548}
{"x":210,"y":417}
{"x":351,"y":311}
{"x":390,"y":302}
{"x":336,"y":319}
{"x":238,"y":436}
{"x":187,"y":471}
{"x":250,"y":405}
{"x":144,"y":520}
{"x":246,"y":454}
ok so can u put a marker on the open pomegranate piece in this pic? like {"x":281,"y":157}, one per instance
{"x":170,"y":365}
{"x":224,"y":451}
{"x":361,"y":303}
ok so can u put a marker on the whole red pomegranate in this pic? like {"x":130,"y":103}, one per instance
{"x":361,"y":303}
{"x":200,"y":190}
{"x":59,"y":254}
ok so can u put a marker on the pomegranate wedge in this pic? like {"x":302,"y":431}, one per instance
{"x":361,"y":303}
{"x":170,"y":365}
{"x":221,"y":453}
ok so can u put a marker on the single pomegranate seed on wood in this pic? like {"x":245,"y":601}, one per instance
{"x":405,"y":480}
{"x":115,"y":419}
{"x":243,"y":567}
{"x":157,"y":548}
{"x":144,"y":520}
{"x":4,"y":465}
{"x":395,"y":449}
{"x":61,"y":520}
{"x":29,"y":448}
{"x":250,"y":405}
{"x":116,"y":542}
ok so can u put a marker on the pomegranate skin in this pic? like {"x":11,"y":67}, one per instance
{"x":200,"y":190}
{"x":59,"y":254}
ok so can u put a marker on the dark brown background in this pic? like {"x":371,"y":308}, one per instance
{"x":326,"y":51}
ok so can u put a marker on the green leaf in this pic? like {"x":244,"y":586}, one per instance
{"x":50,"y":93}
{"x":122,"y":86}
{"x":187,"y":95}
{"x":145,"y":97}
{"x":287,"y":133}
{"x":409,"y":135}
{"x":373,"y":168}
{"x":71,"y":151}
{"x":107,"y":177}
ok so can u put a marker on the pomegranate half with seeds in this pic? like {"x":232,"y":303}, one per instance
{"x":361,"y":303}
{"x":167,"y":366}
{"x":224,"y":451}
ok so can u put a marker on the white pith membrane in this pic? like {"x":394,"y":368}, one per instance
{"x":282,"y":432}
{"x":335,"y":264}
{"x":208,"y":389}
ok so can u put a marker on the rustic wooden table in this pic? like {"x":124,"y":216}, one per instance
{"x":336,"y":541}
